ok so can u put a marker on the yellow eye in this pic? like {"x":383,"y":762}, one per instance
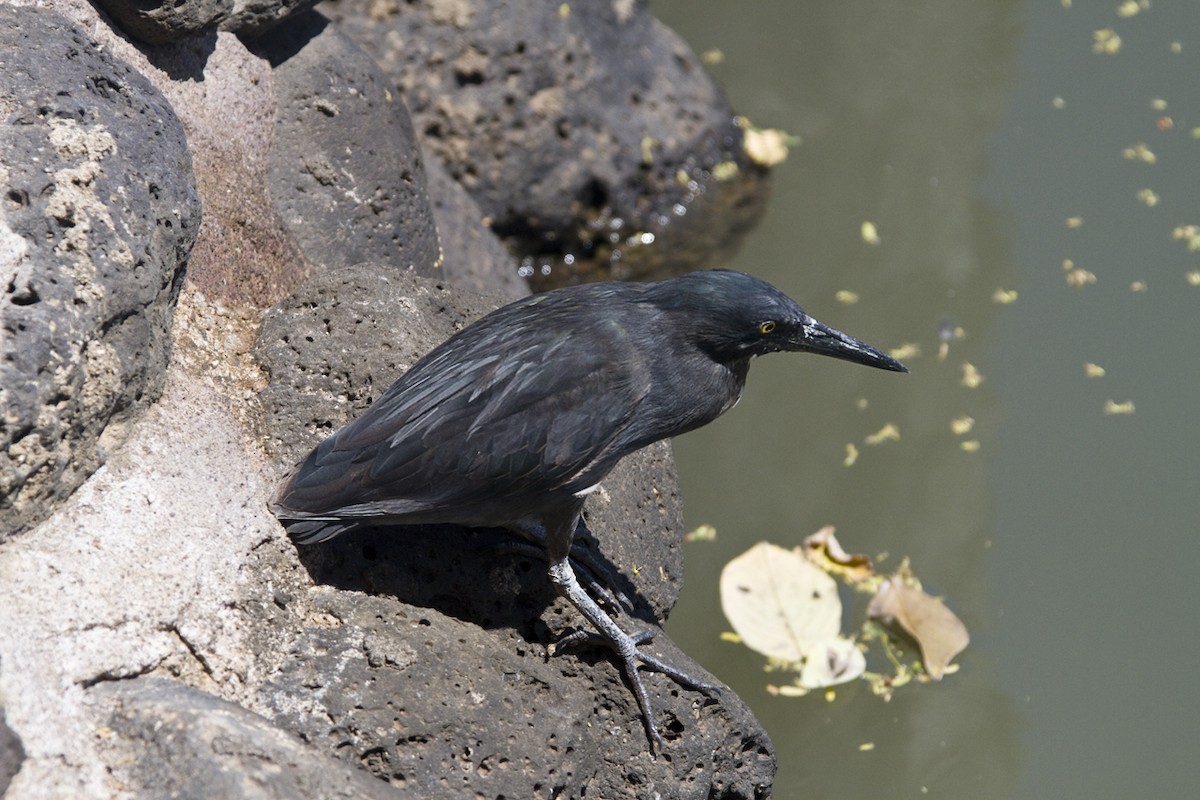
{"x":766,"y":327}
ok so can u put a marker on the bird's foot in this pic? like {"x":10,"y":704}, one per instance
{"x":624,"y":646}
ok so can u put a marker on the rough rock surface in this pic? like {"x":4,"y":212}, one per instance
{"x":157,"y":23}
{"x":11,"y":753}
{"x":98,"y":214}
{"x":188,"y":743}
{"x":576,"y":127}
{"x":346,"y":175}
{"x":160,"y":23}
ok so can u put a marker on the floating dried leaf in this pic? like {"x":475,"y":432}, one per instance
{"x":870,"y":234}
{"x":1147,"y":196}
{"x":728,"y":170}
{"x":704,"y":533}
{"x":1093,"y":370}
{"x":648,"y":145}
{"x":1193,"y":277}
{"x":779,"y":603}
{"x":1004,"y":296}
{"x":939,"y":633}
{"x":825,"y":551}
{"x":971,"y":377}
{"x":1074,"y":222}
{"x":1158,"y":104}
{"x":846,"y":296}
{"x":888,"y":433}
{"x":969,"y":446}
{"x":1138,"y":286}
{"x":768,"y":146}
{"x":866,"y":747}
{"x":1189,"y":234}
{"x":1139,"y":152}
{"x":906,"y":351}
{"x":1106,"y":42}
{"x":1080,"y":277}
{"x":712,"y":57}
{"x":851,"y":455}
{"x":1113,"y":407}
{"x":1131,"y":7}
{"x":1058,"y":103}
{"x":832,"y":662}
{"x":962,"y":425}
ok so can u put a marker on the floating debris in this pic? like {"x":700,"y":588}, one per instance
{"x":728,"y":170}
{"x":947,"y":333}
{"x":1080,"y":277}
{"x":1139,"y":152}
{"x":936,"y":629}
{"x":851,"y":455}
{"x":1147,"y":197}
{"x":1004,"y":296}
{"x":846,"y":296}
{"x":870,"y":234}
{"x":1074,"y":222}
{"x":906,"y":351}
{"x":969,"y":445}
{"x":1193,"y":277}
{"x":788,"y":609}
{"x":962,"y":425}
{"x":888,"y":433}
{"x":712,"y":57}
{"x":767,"y":146}
{"x":1093,"y":370}
{"x":1112,"y":407}
{"x":1189,"y":234}
{"x":704,"y":533}
{"x":1132,"y":7}
{"x":1106,"y":42}
{"x":1138,"y":286}
{"x":971,"y":377}
{"x":823,"y":549}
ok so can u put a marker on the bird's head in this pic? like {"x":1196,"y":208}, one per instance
{"x":733,"y":316}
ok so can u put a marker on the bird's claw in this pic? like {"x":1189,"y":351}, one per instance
{"x":626,"y":649}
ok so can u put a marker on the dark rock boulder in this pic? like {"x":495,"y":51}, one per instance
{"x":97,"y":217}
{"x":177,"y":741}
{"x":161,"y":23}
{"x":578,"y":128}
{"x":345,"y":168}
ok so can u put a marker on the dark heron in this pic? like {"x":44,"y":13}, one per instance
{"x":515,"y":419}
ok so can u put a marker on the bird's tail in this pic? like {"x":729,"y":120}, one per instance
{"x":309,"y":528}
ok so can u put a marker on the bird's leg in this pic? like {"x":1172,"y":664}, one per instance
{"x":624,"y":645}
{"x":597,"y":577}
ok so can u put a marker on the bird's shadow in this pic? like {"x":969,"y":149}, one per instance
{"x":473,"y":575}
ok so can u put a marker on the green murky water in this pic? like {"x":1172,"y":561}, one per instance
{"x":969,"y":134}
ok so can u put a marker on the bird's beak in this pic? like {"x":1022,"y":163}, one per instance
{"x":817,"y":337}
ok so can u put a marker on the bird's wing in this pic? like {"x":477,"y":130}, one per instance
{"x":489,"y":417}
